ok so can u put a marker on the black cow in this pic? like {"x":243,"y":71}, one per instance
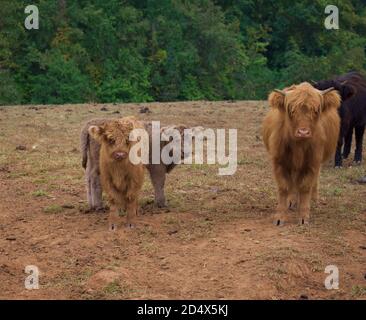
{"x":352,"y":88}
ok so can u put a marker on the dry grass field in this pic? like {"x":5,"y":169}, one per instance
{"x":215,"y":240}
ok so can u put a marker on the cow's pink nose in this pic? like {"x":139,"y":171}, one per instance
{"x":303,"y":132}
{"x":120,"y":155}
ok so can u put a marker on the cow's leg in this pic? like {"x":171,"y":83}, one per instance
{"x":308,"y":187}
{"x":157,"y":176}
{"x":113,"y":218}
{"x":281,"y":211}
{"x":347,"y":143}
{"x":280,"y":215}
{"x":96,"y":192}
{"x":304,"y":206}
{"x":338,"y":154}
{"x":89,"y":194}
{"x":116,"y":204}
{"x":315,"y":186}
{"x":359,"y":130}
{"x":131,"y":208}
{"x":93,"y":187}
{"x":315,"y":191}
{"x":131,"y":198}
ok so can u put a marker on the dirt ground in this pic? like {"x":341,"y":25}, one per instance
{"x":215,"y":240}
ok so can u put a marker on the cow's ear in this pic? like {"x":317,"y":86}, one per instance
{"x":331,"y":99}
{"x":276,"y":100}
{"x":96,"y":132}
{"x":128,"y":124}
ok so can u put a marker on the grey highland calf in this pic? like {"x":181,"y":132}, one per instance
{"x":90,"y":161}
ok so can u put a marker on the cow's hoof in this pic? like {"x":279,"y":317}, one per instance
{"x":113,"y":227}
{"x":304,"y":221}
{"x":129,"y":225}
{"x":160,"y":204}
{"x":357,"y":163}
{"x":278,"y":220}
{"x":338,"y":167}
{"x":345,"y":156}
{"x":362,"y":180}
{"x":101,"y":209}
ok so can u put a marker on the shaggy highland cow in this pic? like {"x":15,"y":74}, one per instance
{"x":90,"y":149}
{"x":300,"y":132}
{"x":120,"y":178}
{"x":352,"y":88}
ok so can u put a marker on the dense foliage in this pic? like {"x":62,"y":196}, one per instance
{"x":165,"y":50}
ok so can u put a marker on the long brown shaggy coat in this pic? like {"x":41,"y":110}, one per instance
{"x":120,"y":179}
{"x":300,"y":132}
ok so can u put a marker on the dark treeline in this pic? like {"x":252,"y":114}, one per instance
{"x":165,"y":50}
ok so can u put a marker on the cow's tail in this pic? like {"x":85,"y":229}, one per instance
{"x":84,"y":145}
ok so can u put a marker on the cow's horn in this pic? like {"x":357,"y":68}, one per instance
{"x":280,"y":91}
{"x":327,"y":90}
{"x":313,"y":82}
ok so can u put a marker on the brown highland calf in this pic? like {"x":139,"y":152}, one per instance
{"x":300,"y":132}
{"x":120,"y":179}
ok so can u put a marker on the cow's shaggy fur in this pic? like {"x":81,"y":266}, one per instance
{"x":120,"y":179}
{"x":300,"y":132}
{"x":90,"y":149}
